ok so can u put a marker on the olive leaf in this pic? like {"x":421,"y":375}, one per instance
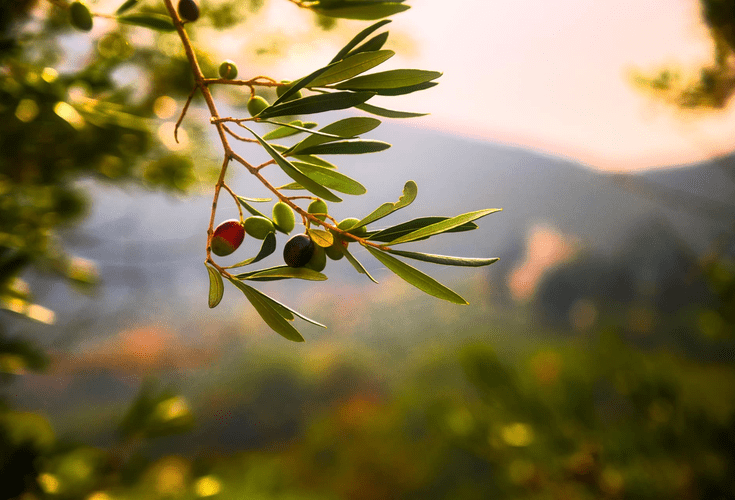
{"x":359,"y":38}
{"x":321,"y":237}
{"x":388,"y":113}
{"x":413,"y":276}
{"x":216,"y":286}
{"x":272,"y":317}
{"x":295,"y":174}
{"x":443,"y":226}
{"x":286,"y":131}
{"x":374,"y":44}
{"x":266,"y":248}
{"x":352,"y":66}
{"x":285,"y":311}
{"x":282,"y":272}
{"x":299,"y":128}
{"x":356,"y":263}
{"x":126,"y":6}
{"x":410,"y":190}
{"x":348,"y":127}
{"x":253,"y":211}
{"x":329,"y":178}
{"x":361,"y":10}
{"x":392,"y":79}
{"x":355,"y":147}
{"x":445,"y":260}
{"x":156,"y":22}
{"x":391,"y":233}
{"x":316,"y":104}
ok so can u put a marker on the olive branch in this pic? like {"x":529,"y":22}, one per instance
{"x":343,"y":83}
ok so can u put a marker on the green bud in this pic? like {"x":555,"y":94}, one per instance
{"x":256,"y":104}
{"x":318,"y":207}
{"x":228,"y":70}
{"x":318,"y":260}
{"x":283,"y":216}
{"x":346,"y":224}
{"x":81,"y":17}
{"x":258,"y":227}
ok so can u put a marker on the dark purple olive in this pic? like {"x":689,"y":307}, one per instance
{"x":298,"y":250}
{"x":188,"y":10}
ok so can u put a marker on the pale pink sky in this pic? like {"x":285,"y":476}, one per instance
{"x":554,"y":76}
{"x":549,"y":75}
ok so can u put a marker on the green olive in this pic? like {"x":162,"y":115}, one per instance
{"x":318,"y":260}
{"x":81,"y":17}
{"x":258,"y":227}
{"x":346,"y":224}
{"x":283,"y":216}
{"x":282,"y":90}
{"x":228,"y":70}
{"x":334,"y":251}
{"x":318,"y":207}
{"x":256,"y":105}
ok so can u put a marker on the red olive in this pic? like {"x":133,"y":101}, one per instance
{"x":227,"y":237}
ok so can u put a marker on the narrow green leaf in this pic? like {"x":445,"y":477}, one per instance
{"x":269,"y":314}
{"x":413,"y":276}
{"x":359,"y":38}
{"x":392,"y":79}
{"x":410,"y":190}
{"x":364,"y":11}
{"x":255,"y":200}
{"x":266,"y":248}
{"x":349,"y":127}
{"x":356,"y":264}
{"x":293,"y":186}
{"x":390,"y":233}
{"x":253,"y":211}
{"x":285,"y":131}
{"x":355,"y":147}
{"x":156,"y":22}
{"x":321,"y":237}
{"x":445,"y":260}
{"x":352,"y":66}
{"x":330,"y":178}
{"x":216,"y":287}
{"x":282,"y":272}
{"x":388,"y":113}
{"x":286,"y":311}
{"x":444,"y":226}
{"x":316,"y":104}
{"x":374,"y":44}
{"x":295,"y":174}
{"x":298,"y":85}
{"x":406,"y":90}
{"x":126,"y":6}
{"x":315,"y":160}
{"x":299,"y":128}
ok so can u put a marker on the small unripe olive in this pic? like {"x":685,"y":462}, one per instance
{"x":228,"y":70}
{"x":188,"y":10}
{"x":318,"y":207}
{"x":283,"y":217}
{"x":282,"y":90}
{"x":258,"y":227}
{"x":256,"y":104}
{"x":298,"y":250}
{"x":334,"y":251}
{"x":346,"y":224}
{"x":81,"y":17}
{"x":318,"y":260}
{"x":227,"y":237}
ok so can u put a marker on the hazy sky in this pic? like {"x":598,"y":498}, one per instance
{"x":554,"y":76}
